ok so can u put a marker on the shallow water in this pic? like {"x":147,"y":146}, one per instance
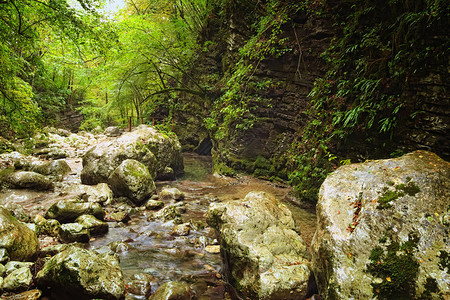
{"x":153,"y":249}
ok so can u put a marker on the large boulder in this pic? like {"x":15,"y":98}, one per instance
{"x":262,"y":248}
{"x":68,"y":210}
{"x":145,"y":144}
{"x":28,"y":180}
{"x":77,"y":273}
{"x":19,"y":241}
{"x":382,"y":230}
{"x":133,"y":180}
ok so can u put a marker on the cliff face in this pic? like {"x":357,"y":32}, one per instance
{"x":279,"y":108}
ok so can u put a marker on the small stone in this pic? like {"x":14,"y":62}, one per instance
{"x":119,"y":216}
{"x":94,"y":225}
{"x":181,"y":229}
{"x":168,"y":193}
{"x":154,"y":204}
{"x":213,"y":249}
{"x":15,"y":265}
{"x":18,"y":280}
{"x":73,"y":232}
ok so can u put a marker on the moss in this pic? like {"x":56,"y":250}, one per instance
{"x":444,"y":261}
{"x":410,"y":188}
{"x":137,"y":172}
{"x":397,"y":267}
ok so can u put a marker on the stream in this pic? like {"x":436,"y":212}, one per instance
{"x":152,"y":248}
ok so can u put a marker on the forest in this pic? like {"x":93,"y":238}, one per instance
{"x":308,"y":100}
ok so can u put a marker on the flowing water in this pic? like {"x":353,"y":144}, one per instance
{"x":152,"y":248}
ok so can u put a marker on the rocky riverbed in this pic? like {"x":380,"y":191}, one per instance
{"x":161,"y":244}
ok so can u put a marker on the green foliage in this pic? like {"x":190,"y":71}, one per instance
{"x":31,"y":33}
{"x":234,"y":110}
{"x":381,"y":46}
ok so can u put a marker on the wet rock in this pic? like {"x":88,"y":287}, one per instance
{"x":73,"y":232}
{"x":167,"y":214}
{"x":141,"y":284}
{"x":69,"y":210}
{"x":18,"y":280}
{"x":77,"y":273}
{"x":154,"y":204}
{"x":15,"y":265}
{"x":132,"y":179}
{"x":119,"y":216}
{"x":120,"y":247}
{"x":100,"y":193}
{"x":383,"y":229}
{"x":2,"y":270}
{"x":17,"y":239}
{"x":4,"y":256}
{"x":28,"y":295}
{"x":28,"y":180}
{"x":113,"y":131}
{"x":265,"y":255}
{"x":56,"y":168}
{"x":55,"y":249}
{"x":92,"y":224}
{"x":213,"y":249}
{"x":181,"y":229}
{"x":144,"y":144}
{"x":47,"y":227}
{"x":173,"y":290}
{"x":168,"y":193}
{"x":17,"y":212}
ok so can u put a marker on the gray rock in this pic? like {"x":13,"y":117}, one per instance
{"x":18,"y":280}
{"x":92,"y":224}
{"x":168,"y":193}
{"x":73,"y":232}
{"x":265,"y":255}
{"x":173,"y":290}
{"x":133,"y":180}
{"x":77,"y":273}
{"x":383,"y":230}
{"x":19,"y":241}
{"x":69,"y":210}
{"x":28,"y":180}
{"x":113,"y":131}
{"x":144,"y":144}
